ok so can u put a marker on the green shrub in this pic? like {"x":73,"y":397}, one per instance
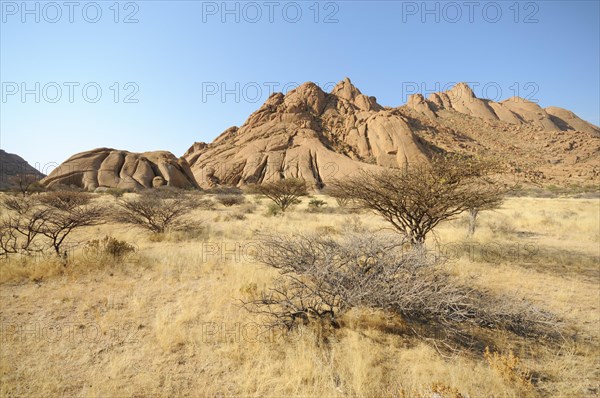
{"x":316,"y":203}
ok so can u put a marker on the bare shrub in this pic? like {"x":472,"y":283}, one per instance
{"x":68,"y":211}
{"x":108,"y":246}
{"x":224,"y":190}
{"x":321,"y":278}
{"x":230,"y":200}
{"x":273,"y":210}
{"x":26,"y":184}
{"x":415,"y":199}
{"x":342,"y":198}
{"x":21,"y":225}
{"x":316,"y":203}
{"x":156,"y":211}
{"x":283,"y":193}
{"x":52,"y":216}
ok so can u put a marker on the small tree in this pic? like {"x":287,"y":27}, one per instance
{"x":415,"y":199}
{"x":66,"y":212}
{"x":157,"y":211}
{"x":26,"y":184}
{"x":283,"y":193}
{"x":21,"y":225}
{"x":36,"y":224}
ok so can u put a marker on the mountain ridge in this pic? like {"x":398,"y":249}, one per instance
{"x":318,"y":136}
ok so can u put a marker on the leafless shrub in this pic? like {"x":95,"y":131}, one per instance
{"x":229,"y":200}
{"x":156,"y":211}
{"x":109,"y":246}
{"x":21,"y":225}
{"x":224,"y":190}
{"x":283,"y":193}
{"x":26,"y":184}
{"x":52,"y":216}
{"x":321,"y":278}
{"x":65,"y":200}
{"x":66,"y":212}
{"x":342,"y":198}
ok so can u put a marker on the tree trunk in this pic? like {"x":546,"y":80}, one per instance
{"x":472,"y":221}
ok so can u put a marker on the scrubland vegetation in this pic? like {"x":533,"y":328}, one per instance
{"x":220,"y":293}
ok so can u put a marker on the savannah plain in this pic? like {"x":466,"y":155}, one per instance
{"x":167,"y":318}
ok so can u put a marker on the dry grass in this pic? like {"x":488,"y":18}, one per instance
{"x":166,"y":321}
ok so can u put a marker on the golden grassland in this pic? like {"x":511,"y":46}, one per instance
{"x":167,"y":321}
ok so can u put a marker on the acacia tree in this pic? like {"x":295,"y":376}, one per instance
{"x":21,"y":225}
{"x":283,"y":193}
{"x":156,"y":211}
{"x":416,"y":198}
{"x":26,"y":184}
{"x":34,"y":224}
{"x":66,"y":212}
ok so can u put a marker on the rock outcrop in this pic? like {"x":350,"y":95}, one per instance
{"x":515,"y":110}
{"x":111,"y":168}
{"x":553,"y":143}
{"x":567,"y":120}
{"x":308,"y":134}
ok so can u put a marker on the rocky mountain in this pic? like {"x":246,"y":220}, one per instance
{"x":308,"y":134}
{"x":12,"y":166}
{"x":320,"y":136}
{"x":553,"y":144}
{"x":111,"y":168}
{"x":516,"y":111}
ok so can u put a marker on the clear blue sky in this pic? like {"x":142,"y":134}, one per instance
{"x":179,"y":53}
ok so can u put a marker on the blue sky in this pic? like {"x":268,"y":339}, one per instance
{"x":173,"y":61}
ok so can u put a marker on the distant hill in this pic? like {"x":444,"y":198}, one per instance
{"x":11,"y":166}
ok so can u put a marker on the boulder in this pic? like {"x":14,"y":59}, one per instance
{"x":111,"y":168}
